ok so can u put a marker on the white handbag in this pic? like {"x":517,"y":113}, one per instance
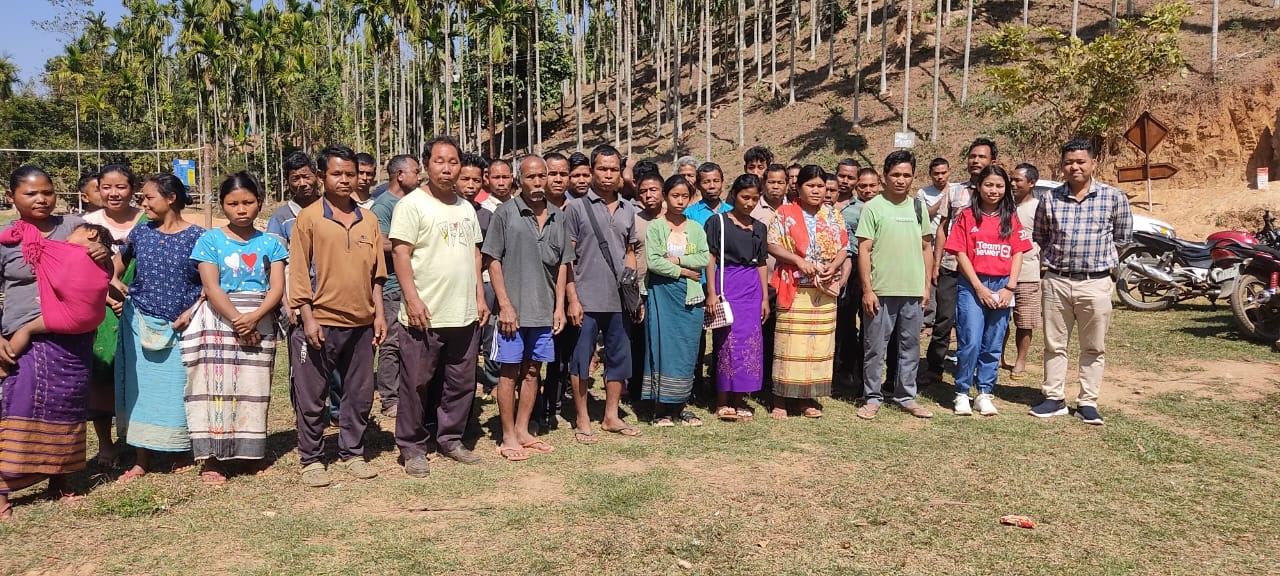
{"x":719,"y":314}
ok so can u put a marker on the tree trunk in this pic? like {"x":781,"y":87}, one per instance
{"x":679,"y":116}
{"x":937,"y":71}
{"x":1115,"y":8}
{"x":815,"y":36}
{"x":377,"y":107}
{"x":758,"y":38}
{"x":884,"y":47}
{"x":1075,"y":16}
{"x":706,"y":43}
{"x":537,"y":74}
{"x":742,"y":47}
{"x":968,"y":42}
{"x":906,"y":72}
{"x":1213,"y":43}
{"x":773,"y":45}
{"x":857,"y":61}
{"x":795,"y":29}
{"x":489,"y":103}
{"x":630,"y":14}
{"x":1026,"y":9}
{"x":579,"y":63}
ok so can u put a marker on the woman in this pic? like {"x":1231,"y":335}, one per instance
{"x":739,"y":279}
{"x":676,"y":252}
{"x":150,"y":378}
{"x":988,"y":244}
{"x":649,"y":198}
{"x":229,"y":350}
{"x":42,"y":407}
{"x":809,"y":242}
{"x":112,"y":208}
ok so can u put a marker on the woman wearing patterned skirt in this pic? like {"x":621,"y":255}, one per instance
{"x":738,"y":275}
{"x":810,"y":243}
{"x":229,"y":349}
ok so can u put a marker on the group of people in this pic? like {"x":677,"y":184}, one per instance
{"x":798,"y":276}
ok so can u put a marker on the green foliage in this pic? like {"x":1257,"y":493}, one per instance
{"x":1066,"y":87}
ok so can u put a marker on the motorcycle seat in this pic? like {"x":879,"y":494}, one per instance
{"x":1191,"y":247}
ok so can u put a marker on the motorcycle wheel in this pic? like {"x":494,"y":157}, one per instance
{"x":1141,"y":293}
{"x":1258,"y":320}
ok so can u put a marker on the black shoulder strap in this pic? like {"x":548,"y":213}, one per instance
{"x":918,"y":204}
{"x":604,"y":242}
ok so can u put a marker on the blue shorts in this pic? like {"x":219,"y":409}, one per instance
{"x":616,"y":352}
{"x":534,"y":344}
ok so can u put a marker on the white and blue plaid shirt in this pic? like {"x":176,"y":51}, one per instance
{"x":1077,"y":236}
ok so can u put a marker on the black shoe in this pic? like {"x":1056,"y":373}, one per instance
{"x":417,"y":467}
{"x":1050,"y":408}
{"x":462,"y":455}
{"x":1089,"y":415}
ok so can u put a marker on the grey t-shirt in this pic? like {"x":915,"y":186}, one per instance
{"x":383,"y":207}
{"x":596,"y":285}
{"x":530,"y":258}
{"x":18,"y":280}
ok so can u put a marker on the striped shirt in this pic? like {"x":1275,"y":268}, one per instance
{"x":1081,"y":235}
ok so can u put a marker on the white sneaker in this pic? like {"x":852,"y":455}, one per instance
{"x":986,"y":405}
{"x":962,"y":405}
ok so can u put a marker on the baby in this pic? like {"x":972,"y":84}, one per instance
{"x":72,"y":287}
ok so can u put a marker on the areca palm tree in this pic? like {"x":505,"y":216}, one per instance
{"x":8,"y":77}
{"x":492,"y":22}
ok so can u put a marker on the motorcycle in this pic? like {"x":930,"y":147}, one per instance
{"x":1160,"y":270}
{"x":1254,"y":299}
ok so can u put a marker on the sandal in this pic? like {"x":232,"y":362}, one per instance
{"x":512,"y":454}
{"x":688,"y":418}
{"x":1018,"y":376}
{"x":778,"y":413}
{"x":538,"y":447}
{"x":6,"y":512}
{"x":745,"y":414}
{"x":625,"y":430}
{"x":812,"y":412}
{"x":585,"y":437}
{"x":212,"y":477}
{"x":727,"y":414}
{"x":664,"y":422}
{"x":130,"y":475}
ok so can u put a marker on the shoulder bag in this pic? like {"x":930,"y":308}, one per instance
{"x":719,"y":314}
{"x":628,"y":283}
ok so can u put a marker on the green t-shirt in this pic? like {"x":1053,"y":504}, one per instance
{"x":897,"y":262}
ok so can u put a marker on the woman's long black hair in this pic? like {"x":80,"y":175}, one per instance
{"x":1006,"y":207}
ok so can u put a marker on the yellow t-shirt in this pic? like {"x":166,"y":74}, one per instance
{"x":445,"y":240}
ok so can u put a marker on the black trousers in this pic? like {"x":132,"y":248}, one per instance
{"x":943,"y":321}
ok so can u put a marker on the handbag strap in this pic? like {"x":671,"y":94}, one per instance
{"x":720,"y":262}
{"x":604,"y":243}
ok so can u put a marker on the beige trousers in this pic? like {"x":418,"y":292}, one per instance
{"x":1069,"y":305}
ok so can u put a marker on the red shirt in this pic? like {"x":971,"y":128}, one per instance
{"x":990,"y":254}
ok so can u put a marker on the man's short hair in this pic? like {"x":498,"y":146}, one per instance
{"x":366,"y":159}
{"x":848,"y":162}
{"x":1078,"y":144}
{"x":549,"y":156}
{"x":517,"y":172}
{"x":578,"y":159}
{"x":503,"y":161}
{"x":298,"y":160}
{"x":1033,"y":174}
{"x":397,"y":163}
{"x":936,"y":162}
{"x":868,"y":171}
{"x":430,"y":145}
{"x":899,"y":157}
{"x":686,"y":161}
{"x":757,"y":154}
{"x":643,"y":167}
{"x":469,"y":160}
{"x":330,"y":152}
{"x":709,"y":167}
{"x":775,"y":167}
{"x":983,"y":141}
{"x":607,"y":150}
{"x":794,"y":166}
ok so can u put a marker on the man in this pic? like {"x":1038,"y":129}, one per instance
{"x":932,"y":196}
{"x":773,"y":196}
{"x":435,"y":239}
{"x":366,"y":172}
{"x":849,"y":342}
{"x":405,"y":175}
{"x":891,"y":228}
{"x":301,"y":182}
{"x":846,"y":183}
{"x":710,"y":183}
{"x":471,"y":182}
{"x":982,"y":152}
{"x":687,"y":166}
{"x":335,"y":282}
{"x":498,"y":183}
{"x":1026,"y":296}
{"x":557,"y":179}
{"x":756,"y":160}
{"x":1077,"y":228}
{"x":579,"y":175}
{"x":594,"y":301}
{"x":793,"y":174}
{"x":527,"y":247}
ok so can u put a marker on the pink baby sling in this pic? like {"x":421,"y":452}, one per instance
{"x":72,"y":287}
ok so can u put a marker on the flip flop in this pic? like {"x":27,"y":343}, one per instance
{"x":1018,"y":376}
{"x":6,"y":512}
{"x":727,"y":414}
{"x":585,"y":437}
{"x":626,"y":430}
{"x":539,"y":447}
{"x":512,"y":454}
{"x":129,"y":476}
{"x":213,"y":478}
{"x":812,"y":412}
{"x":778,"y":414}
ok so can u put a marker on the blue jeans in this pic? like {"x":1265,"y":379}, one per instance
{"x":979,"y":335}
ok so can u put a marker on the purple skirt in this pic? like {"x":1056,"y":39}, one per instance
{"x":42,"y":411}
{"x":740,"y":347}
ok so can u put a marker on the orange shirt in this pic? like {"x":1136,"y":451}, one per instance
{"x":347,"y":262}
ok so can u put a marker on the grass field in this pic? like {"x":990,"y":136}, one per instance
{"x":1181,"y":480}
